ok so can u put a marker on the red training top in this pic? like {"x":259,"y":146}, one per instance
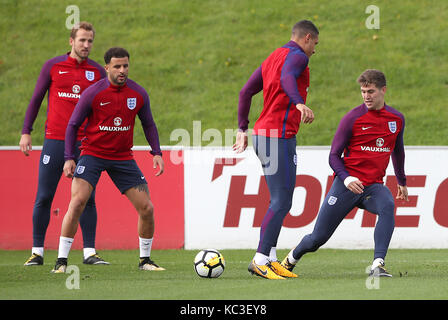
{"x":284,"y":78}
{"x":111,"y":111}
{"x":64,"y":79}
{"x":368,"y":138}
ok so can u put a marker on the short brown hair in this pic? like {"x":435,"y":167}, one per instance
{"x":303,"y":27}
{"x":115,"y":52}
{"x":372,"y":76}
{"x":82,"y":25}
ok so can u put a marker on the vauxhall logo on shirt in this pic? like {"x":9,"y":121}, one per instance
{"x":379,"y":147}
{"x":117,"y":126}
{"x":76,"y":93}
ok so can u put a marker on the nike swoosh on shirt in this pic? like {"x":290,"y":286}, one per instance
{"x":365,"y":128}
{"x":104,"y":103}
{"x":62,"y":72}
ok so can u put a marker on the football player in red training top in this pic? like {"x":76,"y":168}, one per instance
{"x":284,"y":79}
{"x":64,"y":78}
{"x":110,"y":106}
{"x":367,"y":136}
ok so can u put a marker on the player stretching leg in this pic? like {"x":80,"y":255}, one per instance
{"x":368,"y":136}
{"x":111,"y":106}
{"x":284,"y":79}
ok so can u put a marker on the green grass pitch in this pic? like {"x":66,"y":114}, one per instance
{"x":194,"y":57}
{"x":323,"y":275}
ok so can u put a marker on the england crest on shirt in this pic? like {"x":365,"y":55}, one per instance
{"x":132,"y":103}
{"x":90,"y":75}
{"x":392,"y":126}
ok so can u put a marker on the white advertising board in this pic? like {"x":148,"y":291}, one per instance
{"x":226,"y":199}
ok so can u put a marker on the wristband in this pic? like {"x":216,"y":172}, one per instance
{"x":349,"y":180}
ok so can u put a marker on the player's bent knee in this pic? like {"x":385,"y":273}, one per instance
{"x":388,"y":208}
{"x":147,"y":211}
{"x":281,"y":208}
{"x":44,"y":199}
{"x":77,"y":205}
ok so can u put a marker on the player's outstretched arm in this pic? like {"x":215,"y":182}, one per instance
{"x":241,"y":142}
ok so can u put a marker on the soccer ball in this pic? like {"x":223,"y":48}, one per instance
{"x":209,"y":263}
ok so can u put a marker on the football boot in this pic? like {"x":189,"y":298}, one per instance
{"x":34,"y":260}
{"x":60,"y":266}
{"x":265,"y":271}
{"x":147,"y":264}
{"x":288,"y":265}
{"x":281,"y":270}
{"x":94,"y":259}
